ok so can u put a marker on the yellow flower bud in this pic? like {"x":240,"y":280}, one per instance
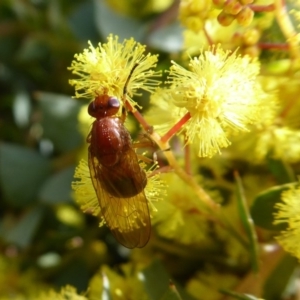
{"x":245,"y":16}
{"x":246,"y":2}
{"x":225,"y":19}
{"x":251,"y":36}
{"x":219,"y":3}
{"x":232,"y":7}
{"x":252,"y":51}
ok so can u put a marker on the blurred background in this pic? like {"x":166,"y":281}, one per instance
{"x":46,"y":242}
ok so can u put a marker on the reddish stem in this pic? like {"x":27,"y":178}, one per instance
{"x":274,"y":46}
{"x":209,"y":39}
{"x":262,"y":8}
{"x":148,"y":128}
{"x":288,"y":107}
{"x":176,"y":127}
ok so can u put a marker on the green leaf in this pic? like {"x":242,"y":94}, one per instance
{"x":82,"y":22}
{"x":279,"y":278}
{"x":22,"y":171}
{"x":239,"y":296}
{"x":168,"y":38}
{"x":156,"y":280}
{"x":33,"y":49}
{"x":8,"y":45}
{"x":57,"y":188}
{"x":172,"y":293}
{"x":23,"y":232}
{"x":60,"y":120}
{"x":106,"y":293}
{"x":247,"y":223}
{"x":281,"y":170}
{"x":75,"y":273}
{"x":22,"y":108}
{"x":108,"y":21}
{"x":263,"y":207}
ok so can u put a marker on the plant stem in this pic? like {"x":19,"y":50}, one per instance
{"x":209,"y":39}
{"x":188,"y":179}
{"x":262,"y":8}
{"x":163,"y":144}
{"x":274,"y":46}
{"x":176,"y":127}
{"x":139,"y":117}
{"x":287,"y":28}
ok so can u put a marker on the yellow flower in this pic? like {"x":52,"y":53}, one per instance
{"x":192,"y":41}
{"x":289,"y":213}
{"x":85,"y":194}
{"x":276,"y":134}
{"x":180,"y":217}
{"x":16,"y":284}
{"x":279,"y":143}
{"x":109,"y":282}
{"x":222,"y":95}
{"x":209,"y":281}
{"x":162,"y":113}
{"x":67,"y":292}
{"x":193,"y":14}
{"x":106,"y":68}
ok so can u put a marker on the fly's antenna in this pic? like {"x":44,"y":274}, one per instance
{"x":124,"y":113}
{"x":128,"y":78}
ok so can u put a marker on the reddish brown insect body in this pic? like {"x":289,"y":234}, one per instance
{"x":117,"y":177}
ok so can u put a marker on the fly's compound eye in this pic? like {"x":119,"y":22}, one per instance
{"x":92,"y":109}
{"x":113,"y":105}
{"x":103,"y":106}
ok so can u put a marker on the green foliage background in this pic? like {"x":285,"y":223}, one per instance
{"x":45,"y":240}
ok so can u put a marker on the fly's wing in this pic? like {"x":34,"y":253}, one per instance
{"x":127,"y":218}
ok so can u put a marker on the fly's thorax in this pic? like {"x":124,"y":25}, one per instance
{"x":108,"y":140}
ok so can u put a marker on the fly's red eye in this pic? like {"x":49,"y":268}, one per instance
{"x":103,"y":106}
{"x":113,"y":105}
{"x":92,"y":110}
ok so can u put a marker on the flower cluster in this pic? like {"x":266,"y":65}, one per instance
{"x":67,"y":292}
{"x":194,"y":13}
{"x":289,"y":214}
{"x":217,"y":97}
{"x":221,"y":93}
{"x":105,"y":69}
{"x":235,"y":10}
{"x":181,"y":216}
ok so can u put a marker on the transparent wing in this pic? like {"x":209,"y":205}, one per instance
{"x":128,"y":218}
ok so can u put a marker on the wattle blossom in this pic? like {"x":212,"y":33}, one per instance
{"x":221,"y":93}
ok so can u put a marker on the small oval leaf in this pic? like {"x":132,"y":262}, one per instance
{"x":23,"y":232}
{"x":57,"y":188}
{"x":22,"y":171}
{"x":59,"y":121}
{"x":263,"y":207}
